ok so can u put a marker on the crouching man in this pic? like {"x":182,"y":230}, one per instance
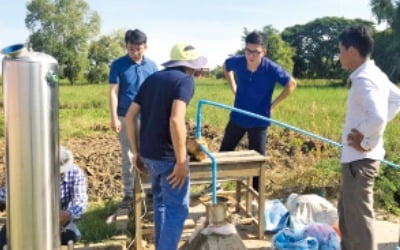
{"x":73,"y":198}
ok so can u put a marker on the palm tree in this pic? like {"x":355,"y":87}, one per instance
{"x":383,"y":10}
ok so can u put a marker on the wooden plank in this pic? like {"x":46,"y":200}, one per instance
{"x":230,"y":157}
{"x":235,"y":153}
{"x":228,"y":172}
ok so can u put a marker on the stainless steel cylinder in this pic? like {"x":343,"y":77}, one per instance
{"x":30,"y":92}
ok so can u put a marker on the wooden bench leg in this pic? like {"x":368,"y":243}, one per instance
{"x":249,"y":195}
{"x":238,"y":195}
{"x":261,"y":203}
{"x":138,"y":198}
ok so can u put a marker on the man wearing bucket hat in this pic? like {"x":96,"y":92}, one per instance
{"x":161,"y":103}
{"x":73,"y":198}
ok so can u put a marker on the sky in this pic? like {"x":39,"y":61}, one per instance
{"x":214,"y":27}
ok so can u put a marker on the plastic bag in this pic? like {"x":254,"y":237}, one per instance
{"x":276,"y":216}
{"x":310,"y":208}
{"x":326,"y":236}
{"x":287,"y":240}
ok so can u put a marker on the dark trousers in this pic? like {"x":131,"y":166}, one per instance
{"x":65,"y":237}
{"x":257,"y":141}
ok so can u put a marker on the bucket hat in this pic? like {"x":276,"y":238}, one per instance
{"x":184,"y":54}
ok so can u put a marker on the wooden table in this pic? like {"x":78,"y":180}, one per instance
{"x":239,"y":166}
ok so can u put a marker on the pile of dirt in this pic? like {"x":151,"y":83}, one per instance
{"x":100,"y":157}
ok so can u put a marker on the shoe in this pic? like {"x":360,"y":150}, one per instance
{"x":208,"y":190}
{"x":127,"y":202}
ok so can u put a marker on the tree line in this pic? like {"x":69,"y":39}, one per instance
{"x":69,"y":31}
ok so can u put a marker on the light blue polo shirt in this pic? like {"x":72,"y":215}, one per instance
{"x":254,"y":89}
{"x":130,"y":76}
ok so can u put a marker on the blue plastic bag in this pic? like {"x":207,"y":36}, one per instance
{"x":276,"y":216}
{"x":287,"y":240}
{"x":326,"y":236}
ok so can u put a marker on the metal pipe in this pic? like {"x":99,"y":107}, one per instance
{"x":30,"y":92}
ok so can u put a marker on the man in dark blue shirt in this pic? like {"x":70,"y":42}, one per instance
{"x":161,"y":103}
{"x":253,"y":87}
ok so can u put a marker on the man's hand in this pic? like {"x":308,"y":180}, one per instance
{"x":354,"y":140}
{"x":65,"y":217}
{"x":178,"y":176}
{"x":116,"y":125}
{"x":139,"y":164}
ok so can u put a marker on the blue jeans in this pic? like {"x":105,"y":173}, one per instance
{"x":171,"y":205}
{"x":257,"y":140}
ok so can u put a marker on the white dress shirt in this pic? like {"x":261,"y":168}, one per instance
{"x":373,"y":100}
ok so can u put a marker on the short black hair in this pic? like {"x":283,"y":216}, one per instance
{"x":136,"y":37}
{"x":359,"y":37}
{"x":256,"y":37}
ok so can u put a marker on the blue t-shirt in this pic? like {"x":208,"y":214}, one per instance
{"x":129,"y":75}
{"x":155,"y":98}
{"x":254,"y":89}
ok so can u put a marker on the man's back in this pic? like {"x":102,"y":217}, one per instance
{"x":155,"y":98}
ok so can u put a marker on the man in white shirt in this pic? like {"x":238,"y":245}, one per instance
{"x":373,"y":100}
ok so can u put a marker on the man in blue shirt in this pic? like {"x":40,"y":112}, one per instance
{"x":73,"y":198}
{"x":127,"y":73}
{"x":161,"y":102}
{"x":253,"y":87}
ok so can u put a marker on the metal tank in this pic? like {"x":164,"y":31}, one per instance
{"x":30,"y":92}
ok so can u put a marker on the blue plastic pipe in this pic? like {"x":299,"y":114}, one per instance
{"x":301,"y":131}
{"x":213,"y":174}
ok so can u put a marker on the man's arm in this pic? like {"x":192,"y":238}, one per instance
{"x":289,"y":88}
{"x":178,"y":135}
{"x":375,"y":117}
{"x":132,"y":128}
{"x":230,"y":78}
{"x":113,"y":103}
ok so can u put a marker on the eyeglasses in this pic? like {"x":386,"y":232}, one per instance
{"x":252,"y":52}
